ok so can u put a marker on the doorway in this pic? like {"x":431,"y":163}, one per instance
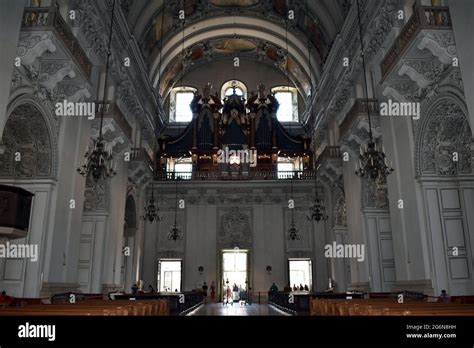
{"x":300,"y":273}
{"x":235,"y":272}
{"x":169,"y":275}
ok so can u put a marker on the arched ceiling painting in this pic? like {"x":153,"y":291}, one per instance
{"x":236,"y":3}
{"x":227,"y":26}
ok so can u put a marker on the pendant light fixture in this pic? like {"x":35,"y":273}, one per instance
{"x":372,"y":163}
{"x":317,"y":211}
{"x":151,"y":210}
{"x":293,"y":233}
{"x":99,"y":161}
{"x":175,"y":233}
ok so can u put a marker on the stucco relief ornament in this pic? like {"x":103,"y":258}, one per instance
{"x":235,"y":227}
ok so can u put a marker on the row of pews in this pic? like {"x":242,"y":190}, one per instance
{"x":90,"y":308}
{"x":96,"y":305}
{"x":299,"y":302}
{"x":389,"y":306}
{"x":179,"y":303}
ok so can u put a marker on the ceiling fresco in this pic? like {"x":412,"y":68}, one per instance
{"x":236,"y":3}
{"x":234,"y":45}
{"x":224,"y":48}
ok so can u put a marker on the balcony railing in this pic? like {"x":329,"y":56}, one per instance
{"x":49,"y":18}
{"x":140,"y":154}
{"x":358,"y":109}
{"x":258,"y":175}
{"x":424,"y":17}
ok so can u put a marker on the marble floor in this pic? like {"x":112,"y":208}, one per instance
{"x":217,"y":309}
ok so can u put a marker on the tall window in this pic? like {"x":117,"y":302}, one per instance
{"x":180,"y":104}
{"x":287,"y":97}
{"x":183,"y":109}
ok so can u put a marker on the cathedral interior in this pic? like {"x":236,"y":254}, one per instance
{"x":303,"y":146}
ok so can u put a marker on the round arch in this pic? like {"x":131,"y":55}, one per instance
{"x":31,"y":144}
{"x":230,"y":84}
{"x":244,"y":27}
{"x":444,"y":132}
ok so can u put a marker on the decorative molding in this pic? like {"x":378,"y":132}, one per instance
{"x":444,"y":131}
{"x":234,"y":227}
{"x":32,"y":45}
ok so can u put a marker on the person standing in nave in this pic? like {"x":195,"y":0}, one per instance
{"x":5,"y":299}
{"x":204,"y":290}
{"x":273,"y":288}
{"x":134,"y":289}
{"x":229,"y":296}
{"x":444,"y":297}
{"x":213,"y":291}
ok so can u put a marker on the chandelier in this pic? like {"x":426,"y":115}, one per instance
{"x":317,"y":211}
{"x":292,"y":231}
{"x":175,"y":234}
{"x":151,"y":211}
{"x":99,"y":162}
{"x":372,"y":162}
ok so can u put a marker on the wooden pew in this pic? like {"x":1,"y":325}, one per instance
{"x":387,"y":306}
{"x":92,"y":308}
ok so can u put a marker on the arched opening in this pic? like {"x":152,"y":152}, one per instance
{"x":233,"y":86}
{"x":28,"y":151}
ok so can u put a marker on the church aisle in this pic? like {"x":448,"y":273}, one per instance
{"x":217,"y":309}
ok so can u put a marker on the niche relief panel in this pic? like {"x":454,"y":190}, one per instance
{"x":234,"y":227}
{"x":26,"y":138}
{"x":446,"y":133}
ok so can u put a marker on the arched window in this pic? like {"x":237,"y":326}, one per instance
{"x":180,"y":100}
{"x":287,"y":97}
{"x":229,"y":87}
